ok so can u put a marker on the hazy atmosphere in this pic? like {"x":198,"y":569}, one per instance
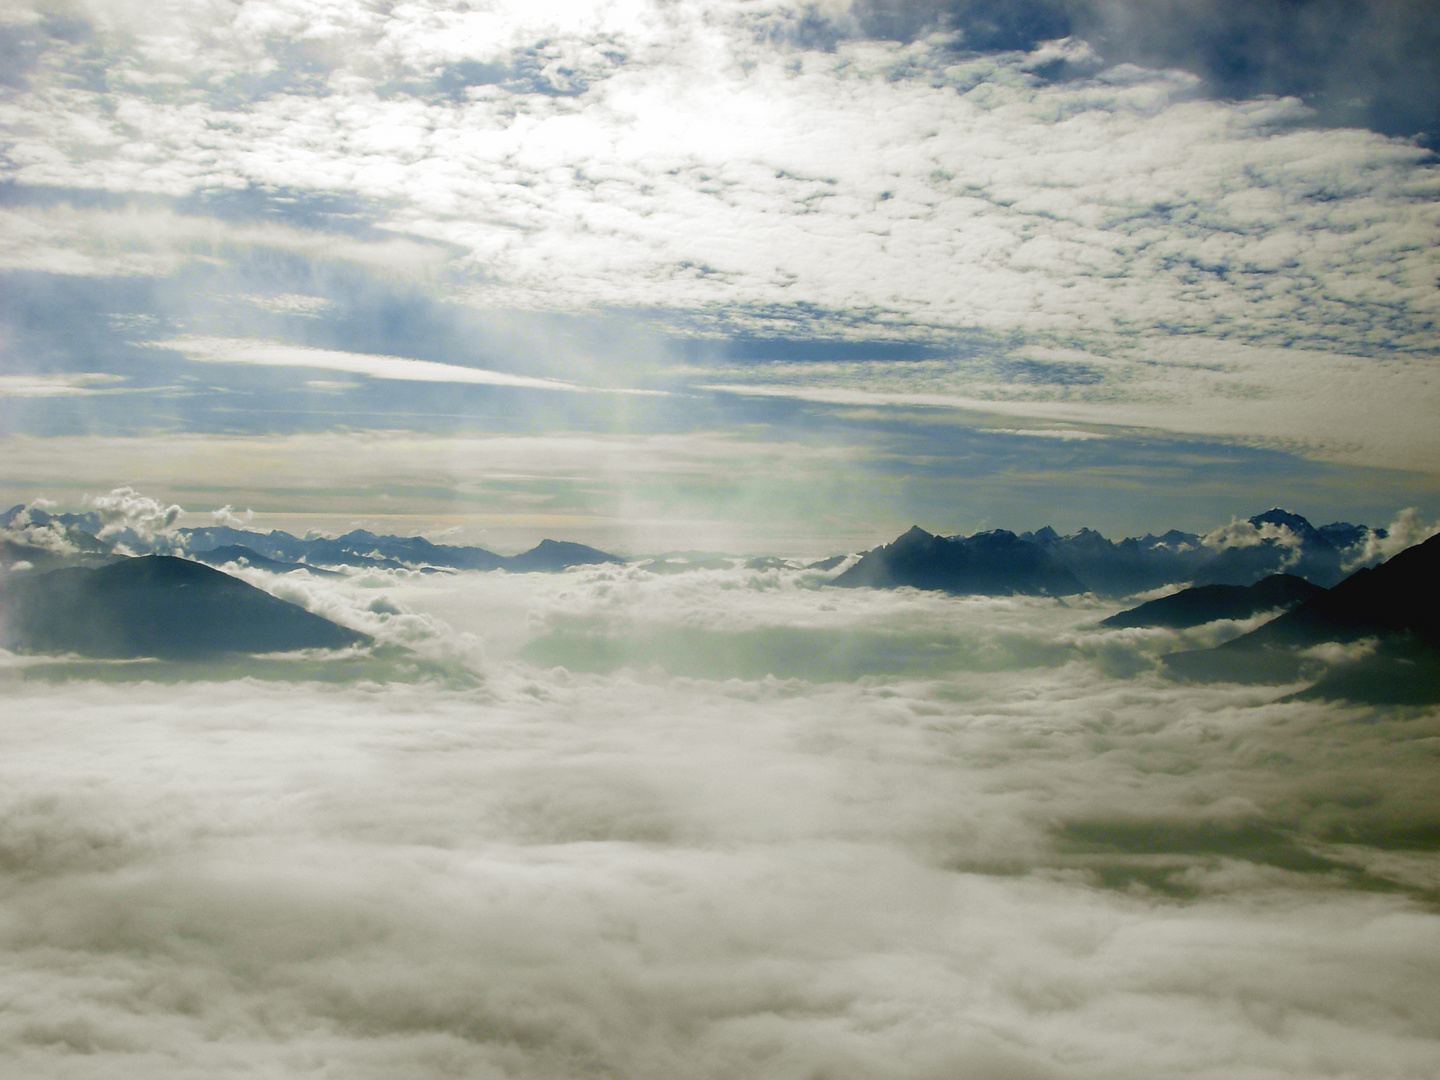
{"x":720,"y":538}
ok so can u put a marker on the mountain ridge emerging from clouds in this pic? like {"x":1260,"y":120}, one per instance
{"x":1207,"y":603}
{"x":996,"y":562}
{"x":160,"y":606}
{"x":1394,"y":606}
{"x":1046,"y":563}
{"x":988,"y":563}
{"x":42,"y":538}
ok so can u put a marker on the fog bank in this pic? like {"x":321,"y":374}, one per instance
{"x":601,"y":835}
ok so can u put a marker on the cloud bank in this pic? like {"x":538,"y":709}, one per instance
{"x":999,"y":845}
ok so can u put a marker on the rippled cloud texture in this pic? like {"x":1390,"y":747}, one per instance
{"x":927,"y":837}
{"x":1212,"y":219}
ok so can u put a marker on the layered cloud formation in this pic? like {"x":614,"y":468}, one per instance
{"x":943,"y":837}
{"x":1212,"y":220}
{"x":712,"y":154}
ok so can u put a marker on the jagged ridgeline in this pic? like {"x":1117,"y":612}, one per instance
{"x":997,"y":563}
{"x":41,"y":538}
{"x":1044,"y":563}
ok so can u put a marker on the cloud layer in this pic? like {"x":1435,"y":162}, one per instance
{"x":986,"y":853}
{"x":1085,"y":212}
{"x":687,"y":157}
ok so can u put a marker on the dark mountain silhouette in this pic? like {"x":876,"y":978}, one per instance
{"x":550,"y":556}
{"x":157,"y":606}
{"x":1397,"y":603}
{"x":355,"y":548}
{"x":1319,"y":554}
{"x":1393,"y":676}
{"x":1046,"y":562}
{"x":44,"y":540}
{"x":995,"y":563}
{"x":1400,"y":597}
{"x":1206,"y":603}
{"x":1126,"y":567}
{"x":999,"y":561}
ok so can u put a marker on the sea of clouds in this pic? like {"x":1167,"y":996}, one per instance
{"x":719,"y":824}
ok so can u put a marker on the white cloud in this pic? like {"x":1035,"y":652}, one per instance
{"x":701,"y":166}
{"x":154,"y":241}
{"x":1064,"y":434}
{"x":51,"y":537}
{"x":125,"y":508}
{"x":649,"y":873}
{"x":227,"y":517}
{"x":58,"y":385}
{"x":1407,"y":530}
{"x":1245,"y":534}
{"x":214,"y":350}
{"x":1243,"y":274}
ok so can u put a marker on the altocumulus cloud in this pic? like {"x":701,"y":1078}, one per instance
{"x":871,"y":170}
{"x":987,"y":857}
{"x":698,"y":155}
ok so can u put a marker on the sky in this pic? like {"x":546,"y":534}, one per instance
{"x":760,"y":276}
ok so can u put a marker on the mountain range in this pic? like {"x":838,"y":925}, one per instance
{"x":41,"y":538}
{"x":1045,"y":563}
{"x":105,"y":601}
{"x":996,"y":562}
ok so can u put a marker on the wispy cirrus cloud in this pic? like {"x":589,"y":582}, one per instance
{"x":58,"y":385}
{"x":213,"y":350}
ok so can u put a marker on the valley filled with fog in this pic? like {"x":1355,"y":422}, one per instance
{"x":713,"y":824}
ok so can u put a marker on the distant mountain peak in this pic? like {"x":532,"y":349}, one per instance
{"x":1298,"y":525}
